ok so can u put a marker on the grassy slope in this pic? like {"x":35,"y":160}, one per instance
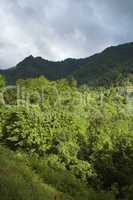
{"x":19,"y":182}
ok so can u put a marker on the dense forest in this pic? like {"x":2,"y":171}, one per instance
{"x":63,"y":140}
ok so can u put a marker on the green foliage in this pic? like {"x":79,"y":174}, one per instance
{"x":2,"y":81}
{"x":19,"y":182}
{"x":24,"y":129}
{"x":22,"y":178}
{"x":82,"y":138}
{"x":54,"y":173}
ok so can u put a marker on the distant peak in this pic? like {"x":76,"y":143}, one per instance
{"x":30,"y":57}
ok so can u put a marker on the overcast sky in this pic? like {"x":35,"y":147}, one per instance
{"x":58,"y":29}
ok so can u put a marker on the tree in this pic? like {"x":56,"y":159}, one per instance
{"x":2,"y":81}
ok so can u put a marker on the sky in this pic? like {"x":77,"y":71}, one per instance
{"x":60,"y":29}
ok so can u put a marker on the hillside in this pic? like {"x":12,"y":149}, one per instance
{"x":110,"y":66}
{"x":32,"y":67}
{"x":19,"y":181}
{"x":57,"y":138}
{"x":113,"y":65}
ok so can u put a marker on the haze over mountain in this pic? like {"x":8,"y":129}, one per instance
{"x":112,"y":65}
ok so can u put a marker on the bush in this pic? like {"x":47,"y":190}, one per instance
{"x":54,"y":174}
{"x":19,"y":182}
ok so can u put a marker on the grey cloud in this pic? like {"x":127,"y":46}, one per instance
{"x":59,"y":29}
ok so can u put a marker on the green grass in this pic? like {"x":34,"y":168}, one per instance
{"x":23,"y":179}
{"x":19,"y":182}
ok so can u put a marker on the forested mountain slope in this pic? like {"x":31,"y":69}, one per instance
{"x":113,"y":65}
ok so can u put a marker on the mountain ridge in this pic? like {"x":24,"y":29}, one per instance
{"x":108,"y":64}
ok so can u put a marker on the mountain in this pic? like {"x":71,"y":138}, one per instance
{"x":36,"y":66}
{"x":112,"y":65}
